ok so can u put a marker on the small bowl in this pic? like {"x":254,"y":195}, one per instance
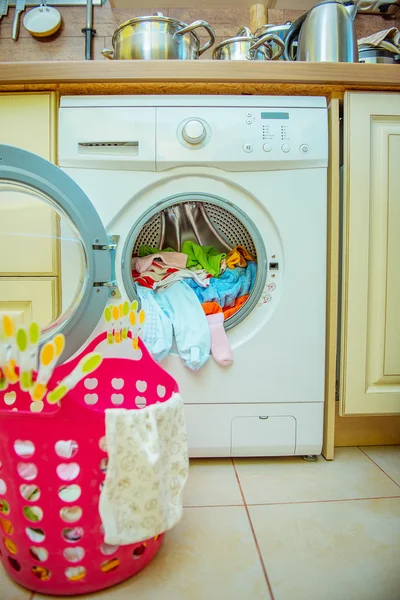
{"x":42,"y":21}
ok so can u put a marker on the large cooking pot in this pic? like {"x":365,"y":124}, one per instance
{"x":158,"y":37}
{"x":245,"y":46}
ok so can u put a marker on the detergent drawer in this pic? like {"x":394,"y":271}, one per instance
{"x":263,"y":436}
{"x":121,"y":139}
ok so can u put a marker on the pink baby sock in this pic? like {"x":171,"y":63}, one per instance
{"x":220,"y":348}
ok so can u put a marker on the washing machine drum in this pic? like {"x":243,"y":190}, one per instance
{"x":205,"y":223}
{"x":208,"y":223}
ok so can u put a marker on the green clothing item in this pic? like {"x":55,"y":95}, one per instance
{"x":203,"y":257}
{"x":147,"y":250}
{"x":30,"y":514}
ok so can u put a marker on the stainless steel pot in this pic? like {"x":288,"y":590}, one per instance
{"x":158,"y":37}
{"x":279,"y":30}
{"x":245,"y":46}
{"x":377,"y":55}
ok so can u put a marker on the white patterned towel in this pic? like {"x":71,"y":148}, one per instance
{"x":147,"y":470}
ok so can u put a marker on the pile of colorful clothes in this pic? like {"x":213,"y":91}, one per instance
{"x":188,"y":295}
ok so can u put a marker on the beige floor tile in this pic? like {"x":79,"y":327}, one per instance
{"x":10,"y":590}
{"x":387,"y":457}
{"x":331,"y":550}
{"x":350,"y":475}
{"x":212,"y":482}
{"x":210,"y":555}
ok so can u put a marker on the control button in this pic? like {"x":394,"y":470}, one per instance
{"x":249,"y":121}
{"x":248,"y":147}
{"x":271,"y":287}
{"x":285,"y":148}
{"x":267,"y":298}
{"x":267,"y":147}
{"x":304,"y":148}
{"x":249,"y":114}
{"x":194,"y":132}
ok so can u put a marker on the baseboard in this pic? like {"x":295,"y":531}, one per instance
{"x":366,"y":431}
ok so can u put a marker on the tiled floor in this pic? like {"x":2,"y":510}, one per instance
{"x":280,"y":529}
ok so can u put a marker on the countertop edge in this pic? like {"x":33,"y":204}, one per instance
{"x":202,"y":71}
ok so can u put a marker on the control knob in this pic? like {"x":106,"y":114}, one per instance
{"x":194,"y":132}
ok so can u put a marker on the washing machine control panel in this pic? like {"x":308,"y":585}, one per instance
{"x":156,"y":134}
{"x":241,"y":138}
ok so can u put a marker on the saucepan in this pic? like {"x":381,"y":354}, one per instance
{"x":43,"y":20}
{"x":245,"y":46}
{"x":158,"y":37}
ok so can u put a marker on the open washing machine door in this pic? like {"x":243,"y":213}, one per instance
{"x":55,"y":256}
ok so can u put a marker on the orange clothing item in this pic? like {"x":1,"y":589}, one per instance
{"x":228,"y":312}
{"x":210,"y":308}
{"x":238,"y":257}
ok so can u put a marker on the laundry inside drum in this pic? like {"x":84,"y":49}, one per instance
{"x":230,"y":269}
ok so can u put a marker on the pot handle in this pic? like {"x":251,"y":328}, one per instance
{"x":265,"y":28}
{"x":270,"y":37}
{"x":108,"y":53}
{"x":195,"y":25}
{"x":244,"y":31}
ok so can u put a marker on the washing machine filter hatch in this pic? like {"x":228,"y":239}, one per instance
{"x":208,"y":221}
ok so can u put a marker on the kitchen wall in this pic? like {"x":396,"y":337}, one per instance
{"x":68,"y":43}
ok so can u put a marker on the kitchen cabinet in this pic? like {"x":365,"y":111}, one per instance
{"x":29,"y":122}
{"x":28,"y":299}
{"x":29,"y":233}
{"x":370,"y":315}
{"x":29,"y":226}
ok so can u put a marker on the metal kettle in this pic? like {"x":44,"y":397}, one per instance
{"x":325,"y":34}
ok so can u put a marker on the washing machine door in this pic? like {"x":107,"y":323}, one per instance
{"x":55,"y":260}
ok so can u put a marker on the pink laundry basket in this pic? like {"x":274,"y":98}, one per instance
{"x":44,"y":546}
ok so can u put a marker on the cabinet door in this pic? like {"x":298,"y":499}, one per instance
{"x":28,"y":300}
{"x":29,"y":228}
{"x":370,"y":346}
{"x":27,"y":121}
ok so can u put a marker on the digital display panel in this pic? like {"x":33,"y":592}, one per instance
{"x":274,"y":115}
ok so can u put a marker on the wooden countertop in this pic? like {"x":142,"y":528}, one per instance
{"x":334,"y":75}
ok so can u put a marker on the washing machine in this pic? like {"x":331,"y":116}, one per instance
{"x":157,"y":170}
